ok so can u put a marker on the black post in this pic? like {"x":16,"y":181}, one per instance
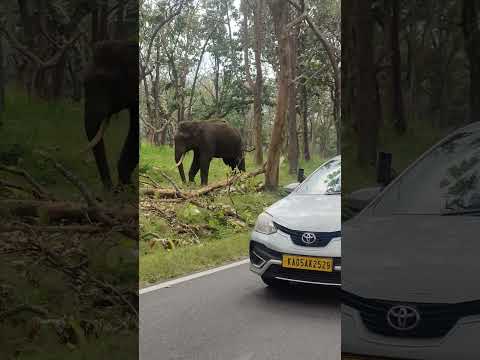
{"x":384,"y":168}
{"x":301,"y":175}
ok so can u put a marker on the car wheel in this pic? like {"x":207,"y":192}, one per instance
{"x":273,"y":283}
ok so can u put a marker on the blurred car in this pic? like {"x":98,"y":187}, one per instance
{"x":411,"y":271}
{"x":298,"y":239}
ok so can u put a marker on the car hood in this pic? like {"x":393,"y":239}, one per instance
{"x":417,"y":258}
{"x":318,"y":213}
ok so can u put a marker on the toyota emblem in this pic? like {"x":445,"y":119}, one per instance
{"x":309,"y":238}
{"x":403,"y":317}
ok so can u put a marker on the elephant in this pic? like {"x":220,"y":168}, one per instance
{"x":111,"y":85}
{"x":207,"y":139}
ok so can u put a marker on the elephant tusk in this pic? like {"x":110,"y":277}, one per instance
{"x":180,"y":161}
{"x":98,"y":136}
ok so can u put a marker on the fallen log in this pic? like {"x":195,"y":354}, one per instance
{"x":82,"y":229}
{"x":51,"y":211}
{"x":174,"y":193}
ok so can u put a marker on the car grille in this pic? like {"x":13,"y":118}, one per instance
{"x":436,"y":320}
{"x":322,"y":238}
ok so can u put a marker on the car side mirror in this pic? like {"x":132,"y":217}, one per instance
{"x":291,"y":187}
{"x":357,"y":200}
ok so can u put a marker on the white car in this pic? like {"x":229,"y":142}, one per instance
{"x":411,"y":275}
{"x":298,"y":239}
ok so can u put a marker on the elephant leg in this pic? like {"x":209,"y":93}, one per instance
{"x":195,"y":167}
{"x":93,"y":120}
{"x":204,"y":168}
{"x":129,"y":156}
{"x":229,"y":162}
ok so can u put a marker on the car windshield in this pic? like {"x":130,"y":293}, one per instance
{"x":446,"y":181}
{"x":325,"y":181}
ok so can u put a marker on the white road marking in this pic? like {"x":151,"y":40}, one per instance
{"x":193,"y":276}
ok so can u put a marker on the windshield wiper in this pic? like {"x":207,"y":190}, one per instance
{"x":473,"y":211}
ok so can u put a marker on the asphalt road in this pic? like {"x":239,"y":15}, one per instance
{"x":231,"y":315}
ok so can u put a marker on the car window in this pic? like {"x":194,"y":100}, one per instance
{"x":447,"y":179}
{"x":326,"y":180}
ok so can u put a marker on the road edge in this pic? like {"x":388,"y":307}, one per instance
{"x":193,"y":276}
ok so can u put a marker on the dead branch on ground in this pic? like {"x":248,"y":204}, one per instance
{"x":188,"y":195}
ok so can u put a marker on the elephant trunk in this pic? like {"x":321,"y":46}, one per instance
{"x":179,"y":155}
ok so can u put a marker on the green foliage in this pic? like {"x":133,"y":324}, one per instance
{"x":29,"y":125}
{"x":191,"y":214}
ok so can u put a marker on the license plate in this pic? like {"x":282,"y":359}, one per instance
{"x":307,"y":263}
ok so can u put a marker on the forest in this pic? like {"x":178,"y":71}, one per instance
{"x":68,"y":273}
{"x":271,"y":70}
{"x":409,"y":76}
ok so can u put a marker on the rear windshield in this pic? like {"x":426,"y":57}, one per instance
{"x":326,"y":180}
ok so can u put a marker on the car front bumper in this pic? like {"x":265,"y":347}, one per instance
{"x":266,"y":253}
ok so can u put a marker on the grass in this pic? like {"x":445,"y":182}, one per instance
{"x":184,"y":260}
{"x":162,"y":157}
{"x":224,"y":241}
{"x":57,"y":128}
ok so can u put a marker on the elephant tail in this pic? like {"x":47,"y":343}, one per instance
{"x":241,"y":164}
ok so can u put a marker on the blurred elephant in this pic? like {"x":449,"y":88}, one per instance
{"x":111,"y":85}
{"x":207,"y":139}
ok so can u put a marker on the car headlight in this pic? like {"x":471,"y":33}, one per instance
{"x":265,"y":224}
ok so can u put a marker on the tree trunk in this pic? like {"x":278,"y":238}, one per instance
{"x":398,"y":111}
{"x":292,"y":104}
{"x":304,"y":96}
{"x":2,"y":80}
{"x":103,"y":21}
{"x":279,"y":10}
{"x":94,"y":25}
{"x":348,"y":78}
{"x":181,"y":99}
{"x":120,"y":32}
{"x":204,"y":47}
{"x":367,"y":114}
{"x":471,"y":9}
{"x":258,"y":122}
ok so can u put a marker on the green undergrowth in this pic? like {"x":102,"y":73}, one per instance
{"x":213,"y":236}
{"x":405,"y":149}
{"x":56,"y":128}
{"x":76,"y":326}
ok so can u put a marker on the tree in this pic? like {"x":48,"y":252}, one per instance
{"x":292,"y":102}
{"x":471,"y":14}
{"x":258,"y":94}
{"x":398,"y":113}
{"x":279,"y":10}
{"x":366,"y":98}
{"x":2,"y":80}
